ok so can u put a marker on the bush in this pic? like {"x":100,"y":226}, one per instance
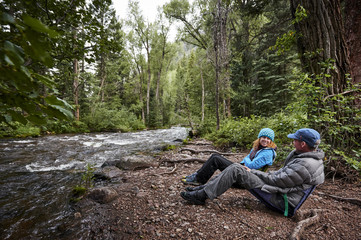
{"x":61,"y":126}
{"x":19,"y":130}
{"x":113,"y":120}
{"x":243,"y":131}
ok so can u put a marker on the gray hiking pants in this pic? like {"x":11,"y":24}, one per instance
{"x":234,"y":174}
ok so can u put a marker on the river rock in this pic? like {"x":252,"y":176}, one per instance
{"x":103,"y":194}
{"x":108,"y":172}
{"x":132,"y":162}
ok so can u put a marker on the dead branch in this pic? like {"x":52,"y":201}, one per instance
{"x":350,"y":200}
{"x":160,"y":174}
{"x":296,"y":234}
{"x":206,"y":151}
{"x":183,"y":160}
{"x":173,"y":170}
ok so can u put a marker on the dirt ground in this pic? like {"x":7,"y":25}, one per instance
{"x":149,"y":206}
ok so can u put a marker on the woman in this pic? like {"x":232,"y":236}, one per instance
{"x":261,"y":155}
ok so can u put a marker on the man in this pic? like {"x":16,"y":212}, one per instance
{"x":303,"y":169}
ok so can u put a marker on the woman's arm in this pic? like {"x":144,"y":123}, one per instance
{"x":263,"y":158}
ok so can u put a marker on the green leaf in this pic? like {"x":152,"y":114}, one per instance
{"x":15,"y":116}
{"x":53,"y":100}
{"x":68,"y":114}
{"x":59,"y":105}
{"x":38,"y":26}
{"x":7,"y":18}
{"x":36,"y":119}
{"x":38,"y":48}
{"x":13,"y":53}
{"x":45,"y":80}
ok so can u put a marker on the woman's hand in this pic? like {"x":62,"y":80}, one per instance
{"x":247,"y":168}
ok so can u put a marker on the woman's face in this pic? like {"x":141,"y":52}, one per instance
{"x":264,"y":141}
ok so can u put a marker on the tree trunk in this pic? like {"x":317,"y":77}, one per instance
{"x":353,"y":40}
{"x":325,"y":57}
{"x":321,"y":38}
{"x":140,"y":74}
{"x":148,"y":84}
{"x":203,"y":93}
{"x":102,"y":78}
{"x":76,"y":82}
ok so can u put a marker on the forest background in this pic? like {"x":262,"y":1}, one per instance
{"x":235,"y":67}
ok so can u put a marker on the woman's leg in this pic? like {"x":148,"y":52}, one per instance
{"x":214,"y":163}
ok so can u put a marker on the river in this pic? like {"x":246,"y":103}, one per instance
{"x":38,"y":174}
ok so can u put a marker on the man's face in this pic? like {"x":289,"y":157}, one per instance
{"x":299,"y":145}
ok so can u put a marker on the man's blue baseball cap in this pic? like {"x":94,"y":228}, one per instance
{"x":308,"y":135}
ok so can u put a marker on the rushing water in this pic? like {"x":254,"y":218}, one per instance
{"x":38,"y":174}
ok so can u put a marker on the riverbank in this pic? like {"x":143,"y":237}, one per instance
{"x":148,"y":206}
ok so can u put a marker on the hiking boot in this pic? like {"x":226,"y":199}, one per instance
{"x":191,"y":180}
{"x":191,"y":189}
{"x":195,"y":197}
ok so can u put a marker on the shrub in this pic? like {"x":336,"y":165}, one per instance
{"x":19,"y":130}
{"x":113,"y":120}
{"x":61,"y":126}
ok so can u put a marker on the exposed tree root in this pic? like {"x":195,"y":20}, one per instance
{"x":350,"y":200}
{"x":296,"y":234}
{"x":207,"y":151}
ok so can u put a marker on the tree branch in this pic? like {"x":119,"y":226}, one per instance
{"x":207,"y":151}
{"x":343,"y":93}
{"x":350,"y":200}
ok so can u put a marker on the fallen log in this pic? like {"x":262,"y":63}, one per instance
{"x":297,"y":231}
{"x":207,"y":151}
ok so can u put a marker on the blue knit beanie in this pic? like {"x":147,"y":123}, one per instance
{"x":267,"y":132}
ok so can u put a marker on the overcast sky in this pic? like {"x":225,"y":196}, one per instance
{"x":148,"y":8}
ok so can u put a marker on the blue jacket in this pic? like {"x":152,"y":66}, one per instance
{"x":264,"y":156}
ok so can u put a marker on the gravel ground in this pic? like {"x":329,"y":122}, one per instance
{"x":148,"y":206}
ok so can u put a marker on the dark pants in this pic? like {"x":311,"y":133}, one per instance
{"x":214,"y":163}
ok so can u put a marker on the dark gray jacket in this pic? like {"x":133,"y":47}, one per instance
{"x":299,"y":172}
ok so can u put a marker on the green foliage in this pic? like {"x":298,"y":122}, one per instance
{"x":104,"y":119}
{"x":259,"y":76}
{"x":300,"y":14}
{"x":88,"y":176}
{"x":16,"y":129}
{"x":242,"y":132}
{"x":61,"y":126}
{"x":207,"y":127}
{"x":170,"y":147}
{"x":354,"y":161}
{"x":336,"y":116}
{"x":285,"y":43}
{"x":21,"y":88}
{"x":86,"y":183}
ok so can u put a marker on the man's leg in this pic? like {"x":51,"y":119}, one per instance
{"x":214,"y":163}
{"x":234,"y":174}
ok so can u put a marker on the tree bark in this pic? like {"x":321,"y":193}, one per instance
{"x":321,"y":38}
{"x":353,"y":40}
{"x":353,"y":37}
{"x":76,"y":82}
{"x":203,"y":92}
